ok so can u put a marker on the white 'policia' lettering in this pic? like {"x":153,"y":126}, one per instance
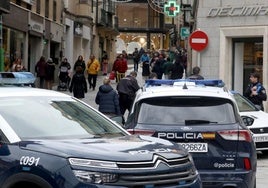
{"x":238,"y":11}
{"x":180,"y":135}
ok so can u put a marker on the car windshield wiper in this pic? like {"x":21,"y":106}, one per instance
{"x":198,"y":121}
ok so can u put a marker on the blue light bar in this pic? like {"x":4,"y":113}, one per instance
{"x":158,"y":82}
{"x":17,"y":78}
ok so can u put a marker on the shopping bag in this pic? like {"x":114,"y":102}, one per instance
{"x":112,"y":75}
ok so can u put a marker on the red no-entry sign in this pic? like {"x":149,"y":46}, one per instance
{"x":198,"y":40}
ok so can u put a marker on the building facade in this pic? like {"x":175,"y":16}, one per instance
{"x":30,"y":30}
{"x":144,"y":24}
{"x":237,"y":41}
{"x":58,"y":29}
{"x":90,"y":28}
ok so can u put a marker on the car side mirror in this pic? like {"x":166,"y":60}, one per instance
{"x":248,"y":121}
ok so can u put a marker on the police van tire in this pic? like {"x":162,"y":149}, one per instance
{"x":24,"y":180}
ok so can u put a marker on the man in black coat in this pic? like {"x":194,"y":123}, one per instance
{"x":127,"y":88}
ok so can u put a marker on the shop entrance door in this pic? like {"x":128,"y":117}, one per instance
{"x":247,"y":58}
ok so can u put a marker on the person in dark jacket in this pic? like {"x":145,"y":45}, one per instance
{"x":80,"y":62}
{"x":145,"y":62}
{"x":78,"y":83}
{"x":107,"y":99}
{"x":49,"y":77}
{"x":255,"y":91}
{"x":127,"y":88}
{"x":40,"y":69}
{"x":176,"y":70}
{"x":158,"y":66}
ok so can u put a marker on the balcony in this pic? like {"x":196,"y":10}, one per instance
{"x":107,"y":19}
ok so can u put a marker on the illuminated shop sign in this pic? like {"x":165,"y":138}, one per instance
{"x":238,"y":11}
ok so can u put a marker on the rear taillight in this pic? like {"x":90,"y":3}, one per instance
{"x":141,"y":132}
{"x":247,"y":164}
{"x":241,"y":135}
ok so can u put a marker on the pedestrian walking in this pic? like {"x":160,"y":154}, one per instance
{"x":80,"y":62}
{"x":108,"y":99}
{"x":120,"y":67}
{"x":166,"y":68}
{"x":40,"y":69}
{"x":196,"y":74}
{"x":78,"y":83}
{"x":93,"y":67}
{"x":176,"y":70}
{"x":145,"y":63}
{"x":255,"y":91}
{"x":136,"y":59}
{"x":127,"y":88}
{"x":104,"y":63}
{"x":49,"y":76}
{"x":158,"y":66}
{"x":64,"y":74}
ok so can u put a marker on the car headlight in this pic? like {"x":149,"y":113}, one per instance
{"x":92,"y":163}
{"x":95,"y":177}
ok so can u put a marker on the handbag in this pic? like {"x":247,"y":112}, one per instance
{"x":112,"y":75}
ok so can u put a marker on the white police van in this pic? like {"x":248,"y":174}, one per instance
{"x":203,"y":117}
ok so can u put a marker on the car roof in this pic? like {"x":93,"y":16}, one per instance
{"x":160,"y":88}
{"x":28,"y":91}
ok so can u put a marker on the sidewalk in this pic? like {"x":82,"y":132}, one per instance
{"x":90,"y":95}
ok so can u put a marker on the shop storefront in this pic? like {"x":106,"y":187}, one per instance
{"x":14,"y":40}
{"x":13,"y":45}
{"x":238,"y":37}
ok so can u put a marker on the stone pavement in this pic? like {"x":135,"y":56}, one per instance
{"x":90,"y":95}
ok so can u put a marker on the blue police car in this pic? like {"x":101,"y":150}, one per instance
{"x":52,"y":140}
{"x":203,"y":117}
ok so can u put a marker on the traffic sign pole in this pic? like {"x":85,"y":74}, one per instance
{"x":198,"y":41}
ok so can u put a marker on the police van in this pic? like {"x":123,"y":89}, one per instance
{"x":203,"y":117}
{"x":53,"y":140}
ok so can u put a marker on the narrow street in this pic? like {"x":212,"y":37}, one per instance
{"x":262,"y":169}
{"x":90,"y":95}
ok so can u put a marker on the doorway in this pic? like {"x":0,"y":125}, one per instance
{"x":247,"y":58}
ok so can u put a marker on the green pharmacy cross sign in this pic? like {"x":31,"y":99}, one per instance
{"x":172,"y":9}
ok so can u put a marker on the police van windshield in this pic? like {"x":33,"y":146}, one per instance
{"x":186,"y":110}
